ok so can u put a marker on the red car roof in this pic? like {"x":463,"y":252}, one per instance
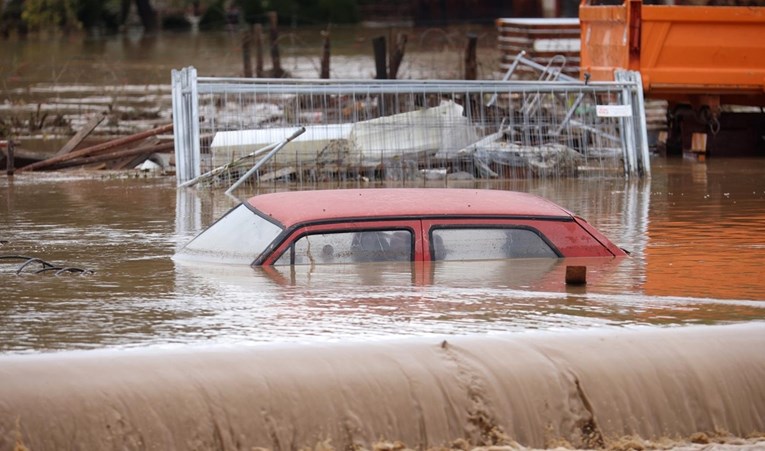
{"x":292,"y":207}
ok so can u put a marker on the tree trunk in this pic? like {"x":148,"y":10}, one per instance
{"x":147,"y":14}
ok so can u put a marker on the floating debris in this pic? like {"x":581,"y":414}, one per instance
{"x":44,"y":266}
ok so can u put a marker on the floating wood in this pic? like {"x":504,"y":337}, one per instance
{"x":82,"y":134}
{"x":147,"y":150}
{"x":132,"y":160}
{"x":97,"y":148}
{"x":21,"y":156}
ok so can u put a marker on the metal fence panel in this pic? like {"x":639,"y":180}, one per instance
{"x":409,"y":130}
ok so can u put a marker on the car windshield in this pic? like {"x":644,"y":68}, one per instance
{"x":238,"y":237}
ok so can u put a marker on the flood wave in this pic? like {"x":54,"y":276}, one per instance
{"x":582,"y":389}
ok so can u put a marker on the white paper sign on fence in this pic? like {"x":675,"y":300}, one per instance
{"x":614,"y":110}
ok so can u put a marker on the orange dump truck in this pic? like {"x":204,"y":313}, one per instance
{"x":699,"y":58}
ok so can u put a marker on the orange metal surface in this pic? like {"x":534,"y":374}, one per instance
{"x":682,"y":52}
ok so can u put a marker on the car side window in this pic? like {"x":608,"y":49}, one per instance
{"x":350,"y":247}
{"x":488,"y":244}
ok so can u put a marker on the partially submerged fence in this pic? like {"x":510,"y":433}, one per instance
{"x":408,"y":130}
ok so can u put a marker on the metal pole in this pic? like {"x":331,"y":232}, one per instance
{"x":263,"y":160}
{"x":179,"y":130}
{"x":508,"y":74}
{"x":643,"y":129}
{"x":223,"y":167}
{"x":196,"y":160}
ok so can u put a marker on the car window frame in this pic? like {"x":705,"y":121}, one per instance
{"x":293,"y":234}
{"x":429,"y":226}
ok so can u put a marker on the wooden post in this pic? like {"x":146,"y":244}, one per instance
{"x":10,"y":166}
{"x":576,"y":275}
{"x":378,"y":44}
{"x":277,"y":71}
{"x":325,"y":56}
{"x":259,"y":50}
{"x":471,"y":67}
{"x":699,"y":143}
{"x":397,"y":55}
{"x":246,"y":54}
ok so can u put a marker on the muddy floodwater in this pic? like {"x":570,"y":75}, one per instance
{"x":124,"y":348}
{"x":696,"y":233}
{"x":145,"y":350}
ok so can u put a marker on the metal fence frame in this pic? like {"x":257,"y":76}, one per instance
{"x":187,"y":88}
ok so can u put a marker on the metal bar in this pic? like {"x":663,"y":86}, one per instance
{"x":222,"y":168}
{"x":642,"y":127}
{"x":195,"y":169}
{"x":595,"y":131}
{"x":252,"y":85}
{"x":508,"y":74}
{"x":179,"y":131}
{"x":569,"y":114}
{"x":263,"y":160}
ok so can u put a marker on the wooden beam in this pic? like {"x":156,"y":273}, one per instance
{"x":84,"y":132}
{"x":144,"y":150}
{"x":99,"y":148}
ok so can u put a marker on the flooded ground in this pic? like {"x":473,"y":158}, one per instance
{"x":214,"y":346}
{"x":695,"y":231}
{"x":49,"y":85}
{"x":661,"y":350}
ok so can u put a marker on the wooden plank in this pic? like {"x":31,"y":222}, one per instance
{"x":82,"y":134}
{"x":118,"y":154}
{"x":98,"y":148}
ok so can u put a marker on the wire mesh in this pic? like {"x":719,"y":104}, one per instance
{"x":406,"y":130}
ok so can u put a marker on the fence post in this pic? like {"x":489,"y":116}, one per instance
{"x":185,"y":124}
{"x":179,"y":131}
{"x":636,"y":129}
{"x":259,"y":72}
{"x":397,"y":55}
{"x":246,"y":53}
{"x":643,"y":128}
{"x":471,"y":66}
{"x":378,"y":45}
{"x":325,"y":55}
{"x":273,"y":20}
{"x":10,"y":164}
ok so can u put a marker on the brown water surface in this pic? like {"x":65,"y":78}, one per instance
{"x":695,"y":231}
{"x":451,"y":354}
{"x":50,"y":85}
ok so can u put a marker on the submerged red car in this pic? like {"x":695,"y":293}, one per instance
{"x":395,"y":224}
